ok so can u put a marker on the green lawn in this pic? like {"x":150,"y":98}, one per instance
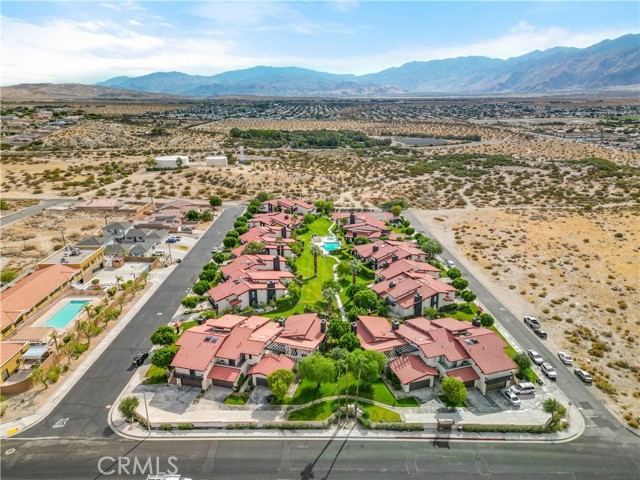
{"x":187,"y":325}
{"x":307,"y":392}
{"x":156,"y":375}
{"x":466,"y":314}
{"x":313,"y":413}
{"x":235,"y":400}
{"x":312,"y":286}
{"x":379,"y":414}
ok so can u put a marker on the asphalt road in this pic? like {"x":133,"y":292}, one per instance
{"x":319,"y":459}
{"x":86,"y":405}
{"x":25,"y":212}
{"x":597,"y":417}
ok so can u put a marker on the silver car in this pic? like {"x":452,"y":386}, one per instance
{"x":511,"y":397}
{"x":565,"y":358}
{"x":548,"y":370}
{"x":535,"y":356}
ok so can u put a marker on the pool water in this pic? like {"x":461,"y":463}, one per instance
{"x":66,"y":314}
{"x":331,"y":246}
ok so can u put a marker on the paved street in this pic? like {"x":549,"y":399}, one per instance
{"x":596,"y":415}
{"x":25,"y":212}
{"x":322,"y":459}
{"x":84,"y":409}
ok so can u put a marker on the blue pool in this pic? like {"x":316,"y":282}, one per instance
{"x":331,"y":246}
{"x":66,"y":314}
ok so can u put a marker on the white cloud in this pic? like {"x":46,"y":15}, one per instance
{"x":135,"y":23}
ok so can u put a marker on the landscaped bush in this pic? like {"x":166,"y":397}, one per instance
{"x":507,"y":428}
{"x":185,"y":426}
{"x":367,"y":273}
{"x":400,"y":427}
{"x":241,"y":426}
{"x":190,"y":302}
{"x":166,"y":426}
{"x":292,"y":426}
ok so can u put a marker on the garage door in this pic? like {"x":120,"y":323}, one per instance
{"x":222,"y":383}
{"x":496,"y":386}
{"x":420,"y":384}
{"x":192,"y":383}
{"x":261,"y":381}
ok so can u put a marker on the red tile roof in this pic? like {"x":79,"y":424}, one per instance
{"x":302,"y":331}
{"x":410,"y":368}
{"x":226,"y":322}
{"x":451,"y":324}
{"x":374,"y":335}
{"x":224,"y":373}
{"x":196,"y":352}
{"x":270,"y":363}
{"x":27,"y":292}
{"x":465,"y":374}
{"x":10,"y":349}
{"x":487,"y":351}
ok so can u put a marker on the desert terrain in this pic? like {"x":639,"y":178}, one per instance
{"x":546,"y":216}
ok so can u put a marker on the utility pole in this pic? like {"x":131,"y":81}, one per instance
{"x":105,"y":219}
{"x":64,"y":242}
{"x":146,"y":411}
{"x":170,"y":257}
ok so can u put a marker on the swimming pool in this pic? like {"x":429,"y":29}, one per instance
{"x":66,"y":314}
{"x":331,"y":246}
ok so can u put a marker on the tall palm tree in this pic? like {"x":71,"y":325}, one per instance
{"x":54,"y":336}
{"x":88,"y":310}
{"x":329,"y":294}
{"x":118,"y":280}
{"x":355,"y":266}
{"x":315,"y":251}
{"x":144,"y":276}
{"x":278,"y":242}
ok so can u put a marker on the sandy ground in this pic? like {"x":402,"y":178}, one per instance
{"x":14,"y":206}
{"x":32,"y":239}
{"x":572,"y":272}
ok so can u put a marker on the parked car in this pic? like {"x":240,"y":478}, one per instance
{"x":548,"y":370}
{"x":565,"y":358}
{"x":178,"y":260}
{"x":583,"y":375}
{"x":215,"y":250}
{"x":523,"y":388}
{"x":187,"y":229}
{"x":535,"y":356}
{"x":139,"y":359}
{"x":476,"y":322}
{"x":532,"y":322}
{"x":159,"y":253}
{"x":171,"y":240}
{"x":450,"y":263}
{"x":541,"y":333}
{"x":511,"y":397}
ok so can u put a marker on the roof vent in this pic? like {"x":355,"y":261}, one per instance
{"x":207,"y":339}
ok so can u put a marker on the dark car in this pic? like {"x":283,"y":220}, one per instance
{"x":476,"y":322}
{"x":583,"y":375}
{"x":541,"y":333}
{"x":139,"y":359}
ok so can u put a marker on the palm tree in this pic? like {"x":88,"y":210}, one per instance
{"x":54,"y":336}
{"x":144,"y":276}
{"x":278,"y":241}
{"x":355,"y":266}
{"x":315,"y":251}
{"x":88,"y":309}
{"x":118,"y":280}
{"x":329,"y":294}
{"x":341,"y":357}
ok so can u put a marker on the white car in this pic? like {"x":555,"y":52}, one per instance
{"x":535,"y":356}
{"x":565,"y":358}
{"x":511,"y":397}
{"x":548,"y":370}
{"x":451,"y":263}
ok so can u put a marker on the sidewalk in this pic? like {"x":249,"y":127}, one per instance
{"x":12,"y":427}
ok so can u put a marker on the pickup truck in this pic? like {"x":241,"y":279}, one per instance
{"x":532,"y":322}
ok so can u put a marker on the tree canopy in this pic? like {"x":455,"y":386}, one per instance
{"x":215,"y":201}
{"x":164,"y":335}
{"x":163,"y":357}
{"x":317,"y":368}
{"x":280,"y":381}
{"x":455,"y":390}
{"x":366,"y":299}
{"x":349,"y":341}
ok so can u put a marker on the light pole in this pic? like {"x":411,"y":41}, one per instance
{"x":146,"y":412}
{"x":170,"y":257}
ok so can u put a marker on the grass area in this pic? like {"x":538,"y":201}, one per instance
{"x":466,"y":314}
{"x":235,"y":400}
{"x":156,"y":375}
{"x":186,"y":326}
{"x":379,"y":414}
{"x":307,"y":392}
{"x":313,"y":413}
{"x":312,"y":286}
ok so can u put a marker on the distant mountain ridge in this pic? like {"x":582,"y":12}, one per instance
{"x":610,"y":63}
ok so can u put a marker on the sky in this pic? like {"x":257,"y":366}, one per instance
{"x":92,"y":41}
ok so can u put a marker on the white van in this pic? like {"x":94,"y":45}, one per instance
{"x":523,"y":388}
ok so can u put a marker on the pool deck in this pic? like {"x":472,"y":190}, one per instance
{"x":55,"y":308}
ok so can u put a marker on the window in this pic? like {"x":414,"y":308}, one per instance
{"x":5,"y":374}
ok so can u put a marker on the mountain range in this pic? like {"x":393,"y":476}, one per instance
{"x":608,"y":65}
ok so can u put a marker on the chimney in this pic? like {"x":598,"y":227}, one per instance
{"x":395,"y":325}
{"x":375,"y":248}
{"x":417,"y":308}
{"x":352,"y":218}
{"x":281,"y":321}
{"x":323,"y":326}
{"x":394,"y":258}
{"x":354,"y":327}
{"x":283,"y":232}
{"x":392,"y":284}
{"x":276,"y":263}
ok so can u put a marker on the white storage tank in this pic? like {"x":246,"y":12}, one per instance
{"x":171,"y":161}
{"x":216,"y":161}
